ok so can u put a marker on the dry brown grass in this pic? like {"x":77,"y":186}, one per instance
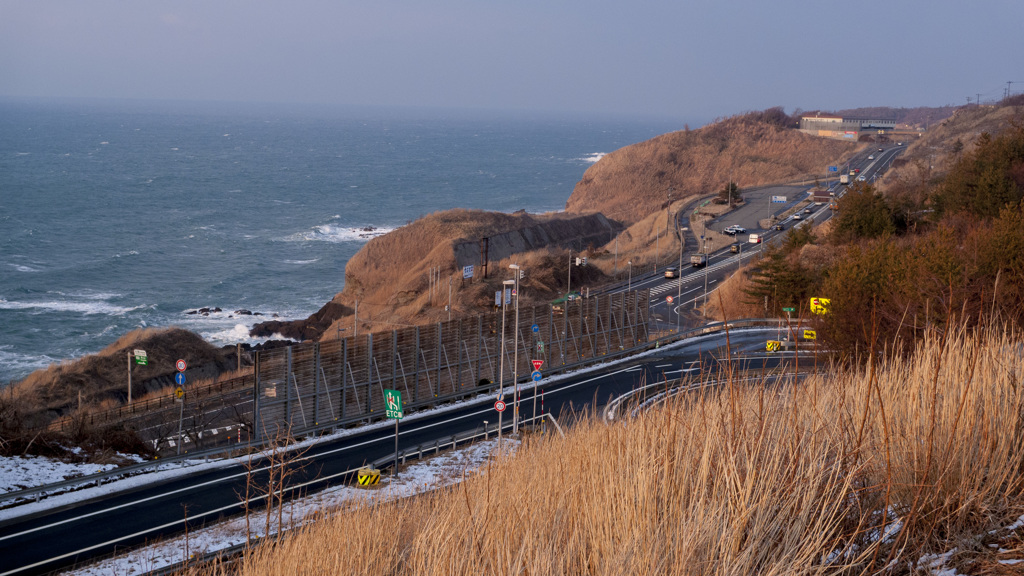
{"x":730,"y":299}
{"x":650,"y":240}
{"x":99,"y":380}
{"x":932,"y":155}
{"x":747,"y":480}
{"x":634,"y":181}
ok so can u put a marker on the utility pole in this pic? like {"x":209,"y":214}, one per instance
{"x":568,"y":281}
{"x":355,"y":320}
{"x":449,"y":298}
{"x":129,"y":377}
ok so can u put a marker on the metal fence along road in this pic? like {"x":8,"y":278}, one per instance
{"x":311,"y":385}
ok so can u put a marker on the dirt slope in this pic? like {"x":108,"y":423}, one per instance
{"x":752,"y":149}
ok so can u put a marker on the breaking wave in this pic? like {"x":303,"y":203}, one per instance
{"x":593,"y":157}
{"x":331,"y":233}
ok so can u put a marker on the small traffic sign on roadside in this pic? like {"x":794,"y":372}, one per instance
{"x":537,"y":364}
{"x":535,"y":328}
{"x":179,"y":393}
{"x":669,"y":299}
{"x":180,"y":365}
{"x":537,"y":376}
{"x":179,"y":378}
{"x":499,"y":406}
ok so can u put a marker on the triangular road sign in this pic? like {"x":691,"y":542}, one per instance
{"x":537,"y":364}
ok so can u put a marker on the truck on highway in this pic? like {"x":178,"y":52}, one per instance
{"x":844,"y":179}
{"x":699,"y":260}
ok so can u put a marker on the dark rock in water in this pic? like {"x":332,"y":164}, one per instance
{"x":309,"y":329}
{"x":192,"y":312}
{"x":243,"y":312}
{"x":216,"y":310}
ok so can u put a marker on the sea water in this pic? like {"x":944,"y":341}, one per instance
{"x":120,"y":215}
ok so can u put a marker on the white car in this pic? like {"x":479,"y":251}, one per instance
{"x":872,"y":157}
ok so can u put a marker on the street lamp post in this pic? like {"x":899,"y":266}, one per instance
{"x":707,"y":255}
{"x":679,"y":283}
{"x":515,"y":355}
{"x":501,"y":361}
{"x":629,"y":281}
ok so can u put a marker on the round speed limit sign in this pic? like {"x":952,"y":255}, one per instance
{"x":499,"y":406}
{"x":180,"y":365}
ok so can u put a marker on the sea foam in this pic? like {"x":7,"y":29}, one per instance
{"x":329,"y":233}
{"x":593,"y":157}
{"x":87,"y":308}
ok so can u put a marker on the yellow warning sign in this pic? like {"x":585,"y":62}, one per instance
{"x":810,"y":335}
{"x":820,"y":305}
{"x":179,"y":392}
{"x":368,"y":476}
{"x":773,"y":346}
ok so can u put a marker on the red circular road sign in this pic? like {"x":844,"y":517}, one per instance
{"x":668,"y":299}
{"x":180,"y":365}
{"x":499,"y":406}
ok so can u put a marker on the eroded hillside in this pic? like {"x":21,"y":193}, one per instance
{"x":751,"y":150}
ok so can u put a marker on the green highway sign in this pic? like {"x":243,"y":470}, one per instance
{"x":393,"y":404}
{"x":789,"y":309}
{"x":141,"y":357}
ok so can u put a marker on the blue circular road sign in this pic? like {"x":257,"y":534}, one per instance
{"x":536,"y":376}
{"x":179,"y":378}
{"x":535,"y":328}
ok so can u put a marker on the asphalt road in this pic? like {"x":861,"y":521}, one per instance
{"x":58,"y":538}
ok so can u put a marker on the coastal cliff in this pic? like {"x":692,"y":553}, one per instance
{"x":752,"y":150}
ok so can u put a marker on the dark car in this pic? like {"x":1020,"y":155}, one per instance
{"x":735,"y":248}
{"x":779,"y":227}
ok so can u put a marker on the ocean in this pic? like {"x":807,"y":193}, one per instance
{"x":120,"y":215}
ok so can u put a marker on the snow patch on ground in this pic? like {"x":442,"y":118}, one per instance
{"x":442,"y":470}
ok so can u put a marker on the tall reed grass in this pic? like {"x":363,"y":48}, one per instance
{"x":845,"y":473}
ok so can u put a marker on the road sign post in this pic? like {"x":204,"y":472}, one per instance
{"x":180,"y":365}
{"x":393,"y":410}
{"x":140,"y":358}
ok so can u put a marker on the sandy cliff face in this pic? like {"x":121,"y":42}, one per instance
{"x":403,"y":277}
{"x":632,"y":182}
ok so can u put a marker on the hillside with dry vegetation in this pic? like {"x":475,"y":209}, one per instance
{"x":918,"y":118}
{"x":751,"y":150}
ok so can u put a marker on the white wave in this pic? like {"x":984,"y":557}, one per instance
{"x":239,"y":333}
{"x":104,"y":143}
{"x":593,"y":157}
{"x":236,"y":333}
{"x":22,"y":153}
{"x":302,"y":261}
{"x":328,"y":233}
{"x":15,"y":363}
{"x":87,"y":308}
{"x":23,"y":268}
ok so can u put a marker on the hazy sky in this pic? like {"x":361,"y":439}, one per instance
{"x":678,"y":58}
